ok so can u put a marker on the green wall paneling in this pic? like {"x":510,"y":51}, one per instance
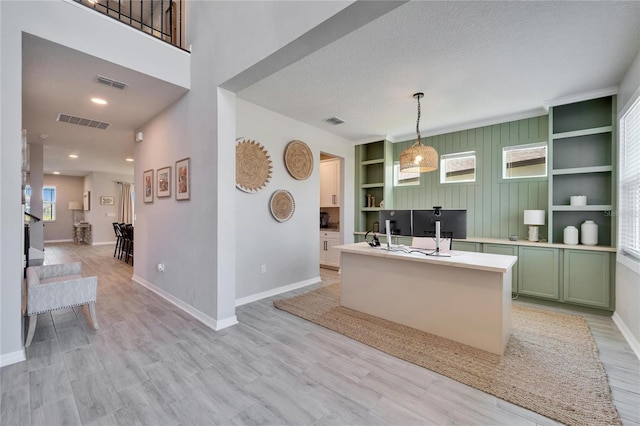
{"x":539,"y":272}
{"x":587,"y":278}
{"x":508,"y":250}
{"x":494,"y":206}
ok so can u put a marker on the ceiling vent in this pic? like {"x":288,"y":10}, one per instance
{"x":334,"y":120}
{"x":111,"y":82}
{"x":87,"y":122}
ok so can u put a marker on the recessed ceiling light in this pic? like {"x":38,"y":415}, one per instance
{"x":73,"y":156}
{"x":56,"y":173}
{"x":98,"y":101}
{"x":129,"y":160}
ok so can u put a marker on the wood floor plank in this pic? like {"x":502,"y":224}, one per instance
{"x":152,"y":364}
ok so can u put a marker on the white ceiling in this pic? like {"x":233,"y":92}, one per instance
{"x":57,"y":79}
{"x":477,"y":63}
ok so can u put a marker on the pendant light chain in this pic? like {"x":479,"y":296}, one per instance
{"x":418,"y":120}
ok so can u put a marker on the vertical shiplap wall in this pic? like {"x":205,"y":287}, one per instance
{"x":494,"y":206}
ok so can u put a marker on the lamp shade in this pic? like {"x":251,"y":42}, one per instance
{"x":75,"y":205}
{"x":419,"y":159}
{"x":534,"y":217}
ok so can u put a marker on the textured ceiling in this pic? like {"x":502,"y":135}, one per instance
{"x":476,"y":62}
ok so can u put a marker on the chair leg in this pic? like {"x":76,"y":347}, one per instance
{"x":32,"y":329}
{"x":92,"y":313}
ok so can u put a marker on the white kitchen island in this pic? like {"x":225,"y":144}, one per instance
{"x":465,"y":297}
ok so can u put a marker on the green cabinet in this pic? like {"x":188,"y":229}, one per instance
{"x":582,"y":149}
{"x":587,"y":278}
{"x":508,"y":250}
{"x":465,"y":246}
{"x":539,"y":272}
{"x":373,"y":180}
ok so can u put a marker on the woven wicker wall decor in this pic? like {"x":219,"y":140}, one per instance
{"x":253,"y":166}
{"x":282,"y":205}
{"x":298,"y":159}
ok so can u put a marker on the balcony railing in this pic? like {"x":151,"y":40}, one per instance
{"x":163,"y":19}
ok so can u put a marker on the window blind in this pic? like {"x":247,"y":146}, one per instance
{"x":629,"y":207}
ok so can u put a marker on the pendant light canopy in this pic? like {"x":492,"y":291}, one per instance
{"x":418,"y":158}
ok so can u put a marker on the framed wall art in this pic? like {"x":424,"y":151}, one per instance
{"x":147,"y":186}
{"x":107,"y":200}
{"x":163,"y":176}
{"x":183,"y":179}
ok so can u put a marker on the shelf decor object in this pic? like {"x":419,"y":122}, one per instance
{"x":570,"y":235}
{"x":533,"y":218}
{"x":282,"y":205}
{"x":589,"y":233}
{"x":253,"y":166}
{"x":418,"y":158}
{"x":578,"y":200}
{"x":298,"y":159}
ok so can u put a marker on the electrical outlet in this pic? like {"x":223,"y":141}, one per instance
{"x":263,"y":269}
{"x":160,"y":267}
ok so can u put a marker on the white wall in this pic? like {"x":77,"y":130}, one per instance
{"x":289,"y":249}
{"x":68,"y":188}
{"x":62,"y":22}
{"x":102,"y":217}
{"x":627,"y":313}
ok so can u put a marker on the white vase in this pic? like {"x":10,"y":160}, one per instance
{"x":589,"y":233}
{"x":571,"y":235}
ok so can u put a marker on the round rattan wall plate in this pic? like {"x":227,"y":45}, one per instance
{"x":253,"y":166}
{"x":282,"y":205}
{"x":298,"y":159}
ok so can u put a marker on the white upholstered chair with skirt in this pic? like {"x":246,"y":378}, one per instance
{"x":51,"y":287}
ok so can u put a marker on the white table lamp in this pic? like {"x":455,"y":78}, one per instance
{"x":533,"y":218}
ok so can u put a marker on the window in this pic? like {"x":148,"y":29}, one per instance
{"x":524,"y":161}
{"x":458,"y":167}
{"x":404,"y":178}
{"x":629,"y":208}
{"x":27,"y":198}
{"x":49,"y":203}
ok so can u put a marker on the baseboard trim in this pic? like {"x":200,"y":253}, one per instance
{"x":12,"y":358}
{"x":630,"y":338}
{"x":103,"y":243}
{"x":200,"y":316}
{"x":276,"y":291}
{"x":57,"y":241}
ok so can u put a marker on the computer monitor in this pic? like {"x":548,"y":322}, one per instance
{"x":453,"y":223}
{"x":400,"y":221}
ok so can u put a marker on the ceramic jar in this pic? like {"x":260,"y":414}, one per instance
{"x":571,"y":235}
{"x":589,"y":231}
{"x":578,"y":200}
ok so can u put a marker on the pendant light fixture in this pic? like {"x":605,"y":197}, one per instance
{"x":418,"y":158}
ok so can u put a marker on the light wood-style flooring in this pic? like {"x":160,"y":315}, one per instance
{"x":152,"y":364}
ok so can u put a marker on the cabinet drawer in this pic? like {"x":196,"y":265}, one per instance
{"x":334,"y":235}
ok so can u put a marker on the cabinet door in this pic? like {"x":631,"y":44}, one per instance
{"x":587,"y":278}
{"x":330,"y":183}
{"x":333,"y":255}
{"x":323,"y":250}
{"x":539,"y":272}
{"x":509,"y":251}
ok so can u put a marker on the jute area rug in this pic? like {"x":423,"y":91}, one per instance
{"x":550,"y":365}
